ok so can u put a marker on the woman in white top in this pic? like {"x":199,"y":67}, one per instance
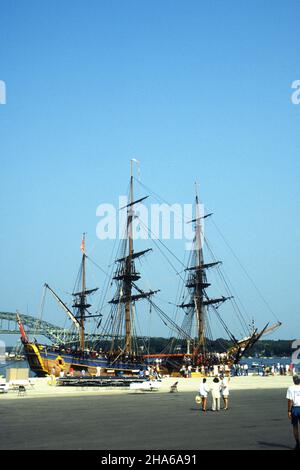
{"x":225,"y":391}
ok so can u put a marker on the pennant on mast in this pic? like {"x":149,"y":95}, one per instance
{"x":82,"y":246}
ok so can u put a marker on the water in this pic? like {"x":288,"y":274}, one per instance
{"x":14,"y":365}
{"x":268,"y":361}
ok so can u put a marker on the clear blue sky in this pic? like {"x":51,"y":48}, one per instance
{"x":197,"y":90}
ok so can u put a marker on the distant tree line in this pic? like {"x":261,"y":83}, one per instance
{"x":267,"y":348}
{"x":156,"y":345}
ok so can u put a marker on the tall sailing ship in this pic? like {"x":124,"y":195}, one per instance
{"x":118,"y":352}
{"x":198,"y":307}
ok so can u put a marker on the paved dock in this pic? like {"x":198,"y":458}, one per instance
{"x":41,"y":388}
{"x":155,"y":421}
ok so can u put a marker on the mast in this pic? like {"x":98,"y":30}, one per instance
{"x":197,"y":283}
{"x":80,"y":299}
{"x":80,"y":302}
{"x":126,"y":274}
{"x":128,"y":270}
{"x":200,"y":278}
{"x":82,"y":307}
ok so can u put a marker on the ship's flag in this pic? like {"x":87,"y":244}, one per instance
{"x":82,"y":246}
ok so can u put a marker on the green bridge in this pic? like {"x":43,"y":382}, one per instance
{"x":37,"y":327}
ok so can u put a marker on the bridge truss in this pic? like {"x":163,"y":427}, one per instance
{"x":37,"y":327}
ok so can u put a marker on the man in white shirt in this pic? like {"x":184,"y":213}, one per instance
{"x":293,"y":397}
{"x":216,"y":394}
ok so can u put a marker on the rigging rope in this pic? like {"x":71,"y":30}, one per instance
{"x":245,"y":271}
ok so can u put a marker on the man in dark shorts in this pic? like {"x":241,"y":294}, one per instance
{"x":293,"y":397}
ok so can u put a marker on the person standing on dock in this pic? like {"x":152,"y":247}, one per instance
{"x":293,"y":397}
{"x":225,"y":391}
{"x":216,"y":394}
{"x":203,"y":392}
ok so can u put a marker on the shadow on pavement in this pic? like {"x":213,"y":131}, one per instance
{"x":273,"y":444}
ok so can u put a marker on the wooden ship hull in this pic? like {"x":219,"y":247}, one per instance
{"x":43,"y":362}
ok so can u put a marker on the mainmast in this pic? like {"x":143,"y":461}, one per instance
{"x":126,"y":273}
{"x":128,"y":268}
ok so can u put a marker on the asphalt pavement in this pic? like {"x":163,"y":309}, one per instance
{"x":257,"y":419}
